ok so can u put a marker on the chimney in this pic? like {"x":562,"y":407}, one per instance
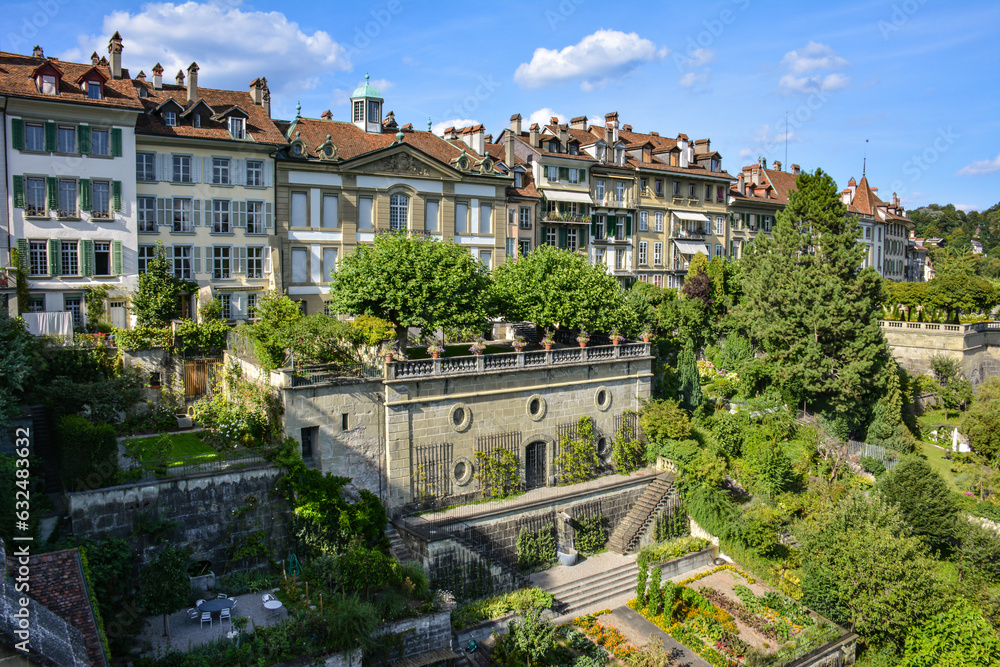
{"x":627,"y":128}
{"x":564,"y":136}
{"x":845,"y":197}
{"x":654,"y":134}
{"x":326,"y":115}
{"x":192,"y":83}
{"x":115,"y":51}
{"x":508,"y":153}
{"x":609,"y":137}
{"x":703,"y":145}
{"x":37,"y":52}
{"x":795,"y":169}
{"x":515,"y":124}
{"x":94,"y":59}
{"x":741,"y":185}
{"x":762,"y":161}
{"x":554,"y":120}
{"x":180,"y":77}
{"x":611,"y":119}
{"x":895,"y":200}
{"x":157,"y":77}
{"x":755,"y":175}
{"x":777,"y":165}
{"x":579,"y":123}
{"x":682,"y":143}
{"x":489,"y":139}
{"x":474,"y":138}
{"x":141,"y":76}
{"x":533,"y":137}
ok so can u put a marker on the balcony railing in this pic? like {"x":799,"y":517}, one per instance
{"x":687,"y":234}
{"x":611,"y":200}
{"x":555,"y":216}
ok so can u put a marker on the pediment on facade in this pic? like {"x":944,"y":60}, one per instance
{"x":402,"y":162}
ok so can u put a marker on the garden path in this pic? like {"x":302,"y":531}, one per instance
{"x":638,"y":631}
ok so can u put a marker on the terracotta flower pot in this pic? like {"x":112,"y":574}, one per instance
{"x":582,"y":343}
{"x":435,"y":355}
{"x":615,"y":341}
{"x":388,"y":358}
{"x":645,"y":338}
{"x":548,"y":346}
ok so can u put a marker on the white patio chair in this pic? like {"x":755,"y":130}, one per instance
{"x":234,"y":603}
{"x":199,"y":603}
{"x":266,"y":597}
{"x":224,"y":615}
{"x":192,"y":614}
{"x":206,"y":616}
{"x":223,"y":596}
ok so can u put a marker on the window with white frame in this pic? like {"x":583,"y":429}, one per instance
{"x":643,"y":221}
{"x":170,"y":118}
{"x":599,"y":189}
{"x":300,"y":204}
{"x":510,"y":247}
{"x":720,"y":225}
{"x":38,"y":252}
{"x":642,"y":185}
{"x":767,"y":223}
{"x":34,"y":137}
{"x":220,"y":216}
{"x":255,"y":217}
{"x":66,"y":139}
{"x":102,"y":258}
{"x":145,"y":254}
{"x":552,"y":174}
{"x":619,"y":155}
{"x":34,"y":196}
{"x":100,"y":142}
{"x":237,"y":127}
{"x":571,"y":239}
{"x":146,"y":213}
{"x":620,"y":258}
{"x":599,"y":257}
{"x":620,"y":228}
{"x":524,"y":217}
{"x":658,"y":222}
{"x":518,"y":179}
{"x":220,"y":262}
{"x":719,"y":252}
{"x":658,"y":280}
{"x":255,"y":174}
{"x":523,"y":247}
{"x":359,"y":111}
{"x":658,"y":253}
{"x":100,"y":199}
{"x":300,"y":265}
{"x":399,"y":207}
{"x":72,"y":304}
{"x":252,"y":304}
{"x":255,"y":261}
{"x":226,"y":300}
{"x":643,"y":253}
{"x":551,"y":236}
{"x":182,"y":262}
{"x":181,"y":215}
{"x":642,"y":278}
{"x":620,"y":192}
{"x":145,"y":169}
{"x":329,"y":264}
{"x":67,"y":198}
{"x":573,"y":175}
{"x":220,"y":171}
{"x":182,"y":169}
{"x":69,"y":253}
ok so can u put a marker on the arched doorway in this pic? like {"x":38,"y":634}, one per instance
{"x":534,"y":464}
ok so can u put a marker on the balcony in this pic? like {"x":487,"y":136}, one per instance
{"x":611,"y":200}
{"x":556,"y":216}
{"x":687,"y":234}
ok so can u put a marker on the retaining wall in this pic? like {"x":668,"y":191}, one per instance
{"x":977,"y":346}
{"x":430,"y":632}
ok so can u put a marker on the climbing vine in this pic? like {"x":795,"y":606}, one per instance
{"x":590,"y":534}
{"x":577,"y":460}
{"x":498,"y":473}
{"x":627,"y":451}
{"x":535,"y":548}
{"x":672,"y":523}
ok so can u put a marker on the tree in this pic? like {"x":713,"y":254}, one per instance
{"x":982,"y":422}
{"x":861,"y":565}
{"x":15,"y":365}
{"x":552,"y":287}
{"x":771,"y":467}
{"x":958,"y":637}
{"x":165,"y":584}
{"x":689,"y":388}
{"x":886,"y":428}
{"x":412,"y":282}
{"x":272,"y":332}
{"x":957,"y":293}
{"x":807,"y":304}
{"x":924,"y":500}
{"x":664,"y":420}
{"x":533,"y":636}
{"x":155,"y":298}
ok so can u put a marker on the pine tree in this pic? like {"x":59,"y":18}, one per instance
{"x":886,"y":428}
{"x":809,"y":306}
{"x":689,"y":389}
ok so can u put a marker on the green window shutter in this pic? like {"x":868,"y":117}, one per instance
{"x":18,"y":191}
{"x":116,"y":258}
{"x":87,"y":255}
{"x":628,"y":225}
{"x":52,"y":185}
{"x":562,"y":237}
{"x":593,"y":227}
{"x":50,"y":137}
{"x":17,"y":133}
{"x":563,"y":173}
{"x":116,"y":193}
{"x":83,"y":139}
{"x":22,"y":254}
{"x":55,"y":256}
{"x":583,"y":175}
{"x":116,"y":142}
{"x":85,"y":194}
{"x":544,"y":235}
{"x":612,"y":223}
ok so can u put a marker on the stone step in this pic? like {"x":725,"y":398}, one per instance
{"x":587,"y":594}
{"x":639,"y":516}
{"x":398,"y":547}
{"x":571,"y":587}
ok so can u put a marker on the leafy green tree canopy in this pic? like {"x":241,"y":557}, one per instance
{"x":165,"y":584}
{"x":924,"y":500}
{"x":958,"y":637}
{"x":412,"y":282}
{"x":15,"y":366}
{"x":552,"y":287}
{"x":155,"y":298}
{"x":982,"y":422}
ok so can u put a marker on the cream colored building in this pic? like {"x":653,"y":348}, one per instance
{"x":205,"y":184}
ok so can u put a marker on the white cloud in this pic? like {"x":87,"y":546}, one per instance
{"x":981,"y":167}
{"x":544,"y":116}
{"x":407,"y":60}
{"x":439,"y":128}
{"x":803,"y":66}
{"x":966,"y":207}
{"x":701,"y":57}
{"x":232,"y":46}
{"x":692,"y":78}
{"x":813,"y":57}
{"x":745,"y":153}
{"x":593,"y":61}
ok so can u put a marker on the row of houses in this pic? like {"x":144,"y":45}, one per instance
{"x":101,"y":166}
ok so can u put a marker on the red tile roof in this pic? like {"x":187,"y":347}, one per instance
{"x":16,"y":79}
{"x":58,"y":583}
{"x":260,"y":128}
{"x":527,"y":189}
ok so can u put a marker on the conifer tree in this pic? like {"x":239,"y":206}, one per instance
{"x":689,"y":390}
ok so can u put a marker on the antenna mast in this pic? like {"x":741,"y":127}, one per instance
{"x":786,"y":137}
{"x":864,"y":165}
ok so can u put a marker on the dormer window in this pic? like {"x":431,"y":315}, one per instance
{"x":48,"y":85}
{"x":716,"y":164}
{"x":574,"y":149}
{"x":93,"y":90}
{"x":601,"y":152}
{"x":619,"y":156}
{"x":170,"y":118}
{"x":553,"y":146}
{"x":197,"y":120}
{"x":237,"y":127}
{"x":518,"y":180}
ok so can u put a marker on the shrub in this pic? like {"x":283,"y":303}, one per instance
{"x":522,"y":599}
{"x":660,"y":553}
{"x":872,"y":466}
{"x":665,"y":420}
{"x":591,"y":535}
{"x":535,"y":548}
{"x":577,"y":460}
{"x":88,"y":453}
{"x":498,"y":473}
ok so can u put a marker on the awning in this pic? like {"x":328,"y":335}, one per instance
{"x":688,"y":215}
{"x":568,"y":196}
{"x":691,"y":247}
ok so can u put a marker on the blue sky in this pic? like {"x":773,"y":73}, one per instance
{"x":919,"y":79}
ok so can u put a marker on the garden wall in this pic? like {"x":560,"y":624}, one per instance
{"x":840,"y":653}
{"x":977,"y":346}
{"x":685,"y":564}
{"x":202,"y":506}
{"x":170,"y":368}
{"x":430,"y":632}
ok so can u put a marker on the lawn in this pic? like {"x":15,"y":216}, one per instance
{"x":930,"y":420}
{"x":935,"y":457}
{"x":188,"y":448}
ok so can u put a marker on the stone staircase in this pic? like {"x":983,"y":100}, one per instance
{"x":627,"y":533}
{"x":44,"y":448}
{"x":592,"y":591}
{"x":397,"y":546}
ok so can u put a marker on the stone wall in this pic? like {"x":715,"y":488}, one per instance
{"x":430,"y":632}
{"x":202,"y":507}
{"x":157,"y":360}
{"x":977,"y":346}
{"x":839,"y":653}
{"x":685,"y":564}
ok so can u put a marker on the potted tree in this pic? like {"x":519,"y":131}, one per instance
{"x":435,"y":351}
{"x":548,"y":341}
{"x":616,"y":337}
{"x":478,"y":347}
{"x":583,"y":338}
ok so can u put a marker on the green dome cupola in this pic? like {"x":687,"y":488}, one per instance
{"x":366,"y":108}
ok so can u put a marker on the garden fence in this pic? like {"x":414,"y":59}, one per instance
{"x":181,"y":466}
{"x":863,"y":449}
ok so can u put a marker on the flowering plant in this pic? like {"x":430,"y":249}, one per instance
{"x":435,"y":349}
{"x":548,"y":339}
{"x":647,"y":330}
{"x":477,"y":347}
{"x":519,"y":343}
{"x":616,"y":336}
{"x":583,"y":336}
